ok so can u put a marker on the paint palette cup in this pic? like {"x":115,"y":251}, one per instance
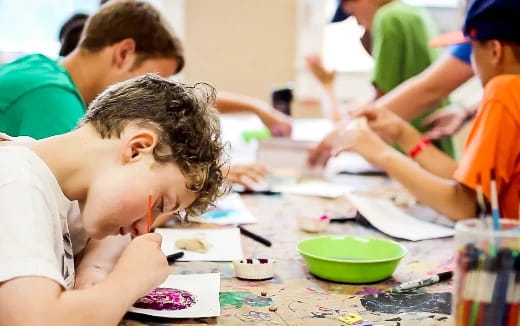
{"x":350,"y":259}
{"x":313,"y":224}
{"x":487,"y":272}
{"x":254,"y":269}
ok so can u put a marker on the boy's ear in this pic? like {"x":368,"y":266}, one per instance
{"x":497,"y":52}
{"x":137,"y":144}
{"x":123,"y":54}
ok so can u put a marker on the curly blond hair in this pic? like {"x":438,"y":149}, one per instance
{"x":184,"y":119}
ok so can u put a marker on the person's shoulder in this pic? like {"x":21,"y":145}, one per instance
{"x":397,"y":10}
{"x":504,"y":90}
{"x":16,"y":164}
{"x":33,"y":71}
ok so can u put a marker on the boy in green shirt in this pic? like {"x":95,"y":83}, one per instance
{"x":399,"y":35}
{"x":40,"y":97}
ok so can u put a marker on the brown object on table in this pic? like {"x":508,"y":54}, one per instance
{"x":273,"y":308}
{"x":263,"y":293}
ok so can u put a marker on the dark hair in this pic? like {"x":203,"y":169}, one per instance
{"x":185,"y":121}
{"x":70,"y":33}
{"x":140,"y":21}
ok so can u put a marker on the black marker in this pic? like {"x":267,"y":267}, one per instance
{"x":258,"y":192}
{"x":173,"y":257}
{"x":254,"y":236}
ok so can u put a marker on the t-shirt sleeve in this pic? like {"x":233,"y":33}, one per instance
{"x":387,"y":52}
{"x":29,"y":233}
{"x":48,"y":111}
{"x":462,"y":52}
{"x":489,"y":146}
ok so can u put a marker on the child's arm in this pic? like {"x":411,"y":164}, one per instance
{"x":98,"y":260}
{"x":442,"y":193}
{"x":278,"y":123}
{"x":41,"y":301}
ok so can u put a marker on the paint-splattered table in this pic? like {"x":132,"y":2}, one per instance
{"x":301,"y":298}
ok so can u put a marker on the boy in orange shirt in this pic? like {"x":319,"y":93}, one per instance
{"x":438,"y":181}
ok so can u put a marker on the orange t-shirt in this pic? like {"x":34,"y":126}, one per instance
{"x":494,"y":142}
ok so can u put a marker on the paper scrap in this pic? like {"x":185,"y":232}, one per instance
{"x":229,"y":210}
{"x":225,"y":243}
{"x":389,"y":219}
{"x":314,"y":188}
{"x":204,"y":287}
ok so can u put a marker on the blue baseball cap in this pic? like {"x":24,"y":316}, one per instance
{"x":340,"y":14}
{"x":486,"y":20}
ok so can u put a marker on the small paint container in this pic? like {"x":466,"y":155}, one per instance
{"x":313,"y":224}
{"x":254,"y":269}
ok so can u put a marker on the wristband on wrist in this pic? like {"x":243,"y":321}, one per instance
{"x":419,"y":148}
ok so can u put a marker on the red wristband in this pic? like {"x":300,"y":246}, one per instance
{"x":419,"y":148}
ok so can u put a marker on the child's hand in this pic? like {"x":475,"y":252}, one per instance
{"x":143,"y":265}
{"x":388,"y":125}
{"x":278,"y":123}
{"x":315,"y":66}
{"x":345,"y":138}
{"x":248,"y":175}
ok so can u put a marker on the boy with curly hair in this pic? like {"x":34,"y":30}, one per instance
{"x":143,"y":137}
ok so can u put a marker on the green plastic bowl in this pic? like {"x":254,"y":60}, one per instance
{"x":350,"y":259}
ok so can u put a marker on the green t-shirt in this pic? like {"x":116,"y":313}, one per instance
{"x":400,"y":49}
{"x":38,"y":98}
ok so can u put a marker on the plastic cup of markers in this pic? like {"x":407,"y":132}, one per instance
{"x":487,"y":273}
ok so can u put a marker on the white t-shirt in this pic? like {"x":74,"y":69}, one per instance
{"x":35,"y":218}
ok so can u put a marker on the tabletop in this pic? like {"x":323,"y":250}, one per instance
{"x":296,"y":297}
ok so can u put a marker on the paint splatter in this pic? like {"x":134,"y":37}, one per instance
{"x":166,"y":299}
{"x":394,"y":303}
{"x":238,"y":299}
{"x":369,"y":290}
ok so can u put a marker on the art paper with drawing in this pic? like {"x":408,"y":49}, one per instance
{"x":219,"y":244}
{"x":183,"y":296}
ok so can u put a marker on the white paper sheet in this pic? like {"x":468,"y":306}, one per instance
{"x":389,"y":219}
{"x":225,"y":243}
{"x":229,"y":210}
{"x":206,"y":289}
{"x":314,"y":188}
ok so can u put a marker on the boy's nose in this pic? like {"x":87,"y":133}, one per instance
{"x":140,"y":227}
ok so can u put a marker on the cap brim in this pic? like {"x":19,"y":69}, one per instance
{"x":448,"y":39}
{"x":340,"y":15}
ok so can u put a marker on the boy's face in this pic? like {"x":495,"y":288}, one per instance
{"x":117,"y":198}
{"x":363,"y":10}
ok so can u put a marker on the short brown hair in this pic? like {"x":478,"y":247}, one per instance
{"x":120,"y":19}
{"x":184,"y":119}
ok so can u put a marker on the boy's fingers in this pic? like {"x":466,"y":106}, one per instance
{"x":154,"y":237}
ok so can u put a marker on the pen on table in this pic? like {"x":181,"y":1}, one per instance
{"x":254,"y":236}
{"x":149,"y":214}
{"x":421,"y":282}
{"x":258,"y":192}
{"x":174,"y":257}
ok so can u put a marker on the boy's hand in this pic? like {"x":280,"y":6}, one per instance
{"x":248,"y":175}
{"x":315,"y":66}
{"x":278,"y":123}
{"x":447,"y":121}
{"x":385,"y":123}
{"x":345,"y":138}
{"x":143,"y":265}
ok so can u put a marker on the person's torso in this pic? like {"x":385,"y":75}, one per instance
{"x":503,"y":92}
{"x":28,"y":74}
{"x":20,"y":164}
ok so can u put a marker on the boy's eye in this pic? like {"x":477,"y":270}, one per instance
{"x":160,"y":206}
